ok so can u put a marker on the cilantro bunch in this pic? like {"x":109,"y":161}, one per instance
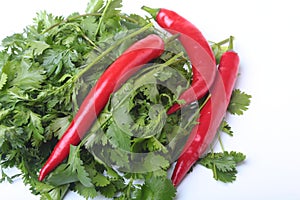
{"x":46,"y":71}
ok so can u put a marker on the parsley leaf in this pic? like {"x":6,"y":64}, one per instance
{"x":239,"y":102}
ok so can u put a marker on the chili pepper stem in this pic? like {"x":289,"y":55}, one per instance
{"x":152,"y":11}
{"x":230,"y":46}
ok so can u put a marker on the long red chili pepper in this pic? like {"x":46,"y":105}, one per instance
{"x":197,"y":48}
{"x":211,"y":116}
{"x":117,"y":73}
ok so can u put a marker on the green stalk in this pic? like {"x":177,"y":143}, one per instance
{"x":71,"y":19}
{"x":230,"y":46}
{"x":220,"y":141}
{"x":107,"y":51}
{"x":101,"y":19}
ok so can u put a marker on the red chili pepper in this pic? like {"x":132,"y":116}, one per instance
{"x":211,"y":116}
{"x":199,"y":52}
{"x":126,"y":65}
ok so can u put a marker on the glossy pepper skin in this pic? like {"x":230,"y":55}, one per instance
{"x":198,"y":50}
{"x":117,"y":73}
{"x":211,"y":116}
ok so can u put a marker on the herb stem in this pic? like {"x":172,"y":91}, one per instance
{"x":70,"y":19}
{"x":129,"y":187}
{"x":221,"y":142}
{"x":78,"y":29}
{"x":107,"y":51}
{"x":101,"y":19}
{"x":128,"y":18}
{"x":223,"y":41}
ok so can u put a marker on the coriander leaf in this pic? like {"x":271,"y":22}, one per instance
{"x":43,"y":187}
{"x":57,"y":193}
{"x":16,"y":43}
{"x":4,"y":113}
{"x":86,"y":192}
{"x":62,"y":175}
{"x":238,"y":157}
{"x":108,"y":191}
{"x":119,"y":157}
{"x":156,"y":188}
{"x":35,"y":128}
{"x":239,"y":102}
{"x":223,"y":164}
{"x":58,"y":126}
{"x":94,"y":6}
{"x":222,"y":161}
{"x":58,"y":62}
{"x":3,"y":80}
{"x":2,"y":135}
{"x":113,"y":9}
{"x":154,"y":162}
{"x":76,"y":165}
{"x":100,"y":180}
{"x":110,"y":19}
{"x":153,"y":144}
{"x":39,"y":47}
{"x":46,"y":20}
{"x":137,"y":18}
{"x":118,"y":138}
{"x":21,"y":115}
{"x":226,"y":177}
{"x":89,"y":25}
{"x":27,"y":76}
{"x":225,"y":127}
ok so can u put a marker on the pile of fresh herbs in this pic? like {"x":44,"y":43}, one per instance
{"x":46,"y":71}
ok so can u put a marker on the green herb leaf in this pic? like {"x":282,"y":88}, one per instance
{"x":157,"y":188}
{"x":86,"y":192}
{"x":239,"y":102}
{"x":225,"y":127}
{"x":39,"y":47}
{"x":94,"y":6}
{"x":223,"y":164}
{"x":77,"y":166}
{"x":3,"y":80}
{"x":35,"y":128}
{"x":27,"y":76}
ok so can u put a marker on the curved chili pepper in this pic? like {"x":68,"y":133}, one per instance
{"x":211,"y":116}
{"x":118,"y":72}
{"x":197,"y":48}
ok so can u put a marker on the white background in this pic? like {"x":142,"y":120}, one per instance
{"x":267,"y":39}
